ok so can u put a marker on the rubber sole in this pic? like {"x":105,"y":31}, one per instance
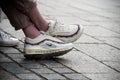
{"x":47,"y":55}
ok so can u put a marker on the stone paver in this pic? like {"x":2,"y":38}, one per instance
{"x":29,"y":77}
{"x":4,"y":75}
{"x":4,"y":59}
{"x":96,"y":55}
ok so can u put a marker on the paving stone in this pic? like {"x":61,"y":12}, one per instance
{"x":84,"y":64}
{"x":100,"y":32}
{"x":63,"y":70}
{"x":112,"y":41}
{"x":13,"y":68}
{"x":4,"y":58}
{"x":16,"y":56}
{"x":43,"y":71}
{"x":111,"y":26}
{"x":70,"y":19}
{"x":94,"y":18}
{"x":57,"y":11}
{"x":20,"y":46}
{"x":9,"y":50}
{"x":53,"y":76}
{"x":87,"y":40}
{"x":108,"y":15}
{"x":100,"y":20}
{"x":75,"y":76}
{"x":4,"y":75}
{"x":51,"y":63}
{"x":114,"y":76}
{"x":90,"y":8}
{"x":90,"y":17}
{"x":25,"y":61}
{"x":29,"y":77}
{"x":114,"y":64}
{"x":101,"y":52}
{"x":32,"y":65}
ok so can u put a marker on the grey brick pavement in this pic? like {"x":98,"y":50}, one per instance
{"x":96,"y":55}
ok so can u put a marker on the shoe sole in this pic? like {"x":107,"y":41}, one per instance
{"x":46,"y":55}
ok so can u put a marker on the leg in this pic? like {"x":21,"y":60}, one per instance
{"x":29,"y":8}
{"x":37,"y":19}
{"x":5,"y":39}
{"x":20,"y":21}
{"x":36,"y":44}
{"x":66,"y":33}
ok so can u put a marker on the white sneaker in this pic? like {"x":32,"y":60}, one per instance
{"x":66,"y":33}
{"x":45,"y":46}
{"x":6,"y":40}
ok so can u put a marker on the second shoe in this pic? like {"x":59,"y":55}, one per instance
{"x":45,"y":46}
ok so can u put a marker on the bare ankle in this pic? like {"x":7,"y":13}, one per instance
{"x":31,"y":32}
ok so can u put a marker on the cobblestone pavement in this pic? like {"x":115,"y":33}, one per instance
{"x":96,"y":55}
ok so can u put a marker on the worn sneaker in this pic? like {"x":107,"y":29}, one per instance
{"x":66,"y":33}
{"x":7,"y":40}
{"x":45,"y":46}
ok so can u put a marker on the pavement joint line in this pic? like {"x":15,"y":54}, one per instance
{"x":105,"y":28}
{"x":58,"y":62}
{"x":24,"y":67}
{"x":47,"y":68}
{"x":63,"y":65}
{"x":79,"y":18}
{"x":72,"y":69}
{"x":87,"y":12}
{"x":97,"y":7}
{"x":55,"y":71}
{"x":35,"y":72}
{"x":10,"y":72}
{"x":46,"y":5}
{"x":108,"y":29}
{"x":22,"y":52}
{"x":40,"y":64}
{"x":99,"y":61}
{"x":103,"y":41}
{"x":89,"y":43}
{"x":83,"y":53}
{"x":91,"y":25}
{"x":105,"y":16}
